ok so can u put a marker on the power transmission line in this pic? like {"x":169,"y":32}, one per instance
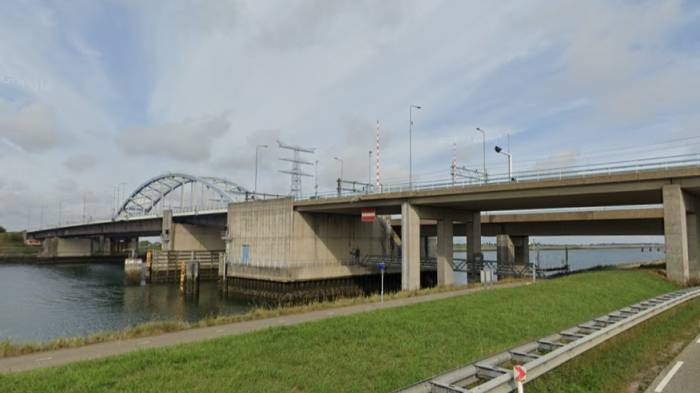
{"x":296,"y":172}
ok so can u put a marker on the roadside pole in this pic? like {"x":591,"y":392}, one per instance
{"x":519,"y":375}
{"x":381,"y":267}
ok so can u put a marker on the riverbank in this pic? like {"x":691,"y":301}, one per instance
{"x":12,"y":246}
{"x":461,"y":247}
{"x":9,"y":348}
{"x":373,"y":351}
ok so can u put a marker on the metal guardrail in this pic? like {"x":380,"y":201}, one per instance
{"x":464,"y":266}
{"x":608,"y":168}
{"x":495,"y":375}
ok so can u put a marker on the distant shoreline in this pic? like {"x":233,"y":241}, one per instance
{"x":602,"y":246}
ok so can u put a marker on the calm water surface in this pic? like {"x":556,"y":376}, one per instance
{"x":39,"y":303}
{"x":43,"y":302}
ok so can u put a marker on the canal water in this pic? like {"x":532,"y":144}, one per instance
{"x":38,"y":303}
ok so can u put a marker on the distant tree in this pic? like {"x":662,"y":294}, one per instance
{"x":2,"y":230}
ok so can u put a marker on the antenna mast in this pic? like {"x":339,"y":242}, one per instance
{"x":296,"y":172}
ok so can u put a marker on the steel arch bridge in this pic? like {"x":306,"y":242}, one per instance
{"x":156,"y":190}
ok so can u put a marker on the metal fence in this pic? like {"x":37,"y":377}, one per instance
{"x":569,"y":172}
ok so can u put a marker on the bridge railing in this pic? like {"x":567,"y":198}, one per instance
{"x":567,"y":172}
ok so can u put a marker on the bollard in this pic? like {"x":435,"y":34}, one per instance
{"x":182,"y":277}
{"x":134,"y":271}
{"x":224,"y":279}
{"x":149,"y":264}
{"x":192,"y":278}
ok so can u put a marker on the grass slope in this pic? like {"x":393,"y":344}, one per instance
{"x":630,"y":361}
{"x":376,"y":351}
{"x":12,"y":244}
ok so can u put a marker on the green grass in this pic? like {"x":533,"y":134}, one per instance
{"x":376,"y":351}
{"x":12,"y":244}
{"x":630,"y":361}
{"x":10,"y":348}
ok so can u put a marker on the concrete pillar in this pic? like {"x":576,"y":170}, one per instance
{"x":445,"y":251}
{"x":505,"y":250}
{"x":693,"y":224}
{"x":134,"y":246}
{"x":473,"y":235}
{"x":681,"y":235}
{"x":521,"y":245}
{"x":167,"y":237}
{"x":410,"y":247}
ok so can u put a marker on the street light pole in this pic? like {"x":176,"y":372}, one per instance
{"x":483,"y":154}
{"x":316,"y":178}
{"x":510,"y":161}
{"x":340,"y":160}
{"x":410,"y":144}
{"x":257,"y":148}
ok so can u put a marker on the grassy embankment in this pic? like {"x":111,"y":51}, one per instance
{"x":630,"y":361}
{"x":9,"y":348}
{"x":12,"y":244}
{"x":375,"y":351}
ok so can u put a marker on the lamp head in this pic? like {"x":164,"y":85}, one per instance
{"x":498,"y":149}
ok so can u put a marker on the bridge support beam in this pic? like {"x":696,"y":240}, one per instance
{"x":166,"y":232}
{"x":189,"y":237}
{"x":473,"y":231}
{"x":521,"y":246}
{"x":681,"y":231}
{"x":445,"y":251}
{"x":505,"y":250}
{"x":410,"y":247}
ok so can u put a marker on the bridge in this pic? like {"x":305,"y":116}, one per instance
{"x":321,"y":237}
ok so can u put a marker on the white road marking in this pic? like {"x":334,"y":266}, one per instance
{"x":668,"y":377}
{"x":698,"y":341}
{"x":44,"y":359}
{"x":144,"y":342}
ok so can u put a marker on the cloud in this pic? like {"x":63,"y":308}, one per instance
{"x":187,"y":141}
{"x":79,"y":163}
{"x":32,"y":127}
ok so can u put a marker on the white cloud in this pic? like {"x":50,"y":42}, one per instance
{"x":188,"y":140}
{"x":79,"y":163}
{"x":560,"y":77}
{"x":32,"y":127}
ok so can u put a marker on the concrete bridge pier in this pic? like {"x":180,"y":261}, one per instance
{"x":682,"y":234}
{"x":473,"y":232}
{"x":512,"y":250}
{"x":182,"y":236}
{"x":445,"y":251}
{"x":410,"y":247}
{"x":411,"y":216}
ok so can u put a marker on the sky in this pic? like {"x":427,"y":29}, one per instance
{"x":97,"y":94}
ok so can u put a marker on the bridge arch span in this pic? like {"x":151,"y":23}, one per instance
{"x":155,"y":190}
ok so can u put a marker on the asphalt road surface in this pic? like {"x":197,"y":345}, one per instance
{"x":682,"y":375}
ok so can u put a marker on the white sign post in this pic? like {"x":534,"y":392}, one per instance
{"x":519,"y":375}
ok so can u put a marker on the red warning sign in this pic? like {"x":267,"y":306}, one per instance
{"x":369,"y":214}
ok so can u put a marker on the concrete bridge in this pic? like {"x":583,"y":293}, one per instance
{"x":291,"y":241}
